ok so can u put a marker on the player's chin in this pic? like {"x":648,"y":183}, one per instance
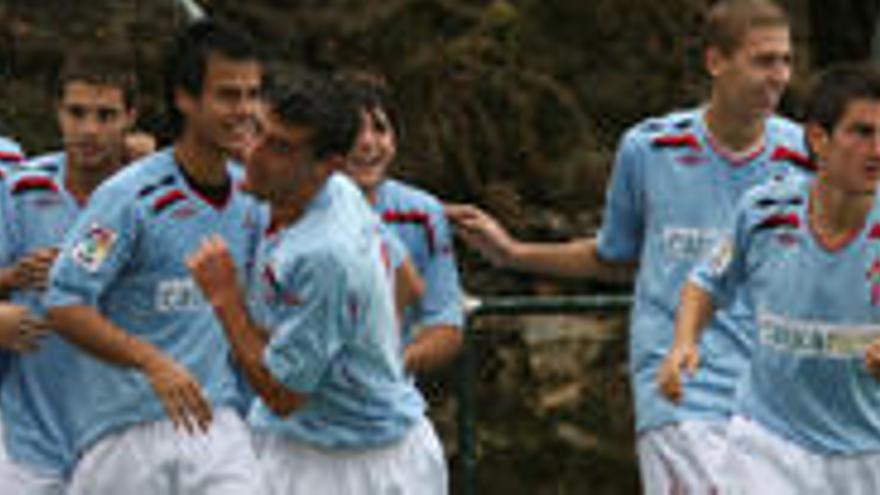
{"x":365,"y":177}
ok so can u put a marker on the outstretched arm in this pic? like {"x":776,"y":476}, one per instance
{"x":575,"y":258}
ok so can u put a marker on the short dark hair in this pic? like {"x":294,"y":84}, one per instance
{"x":318,"y":103}
{"x":186,"y":60}
{"x":837,"y":87}
{"x":728,"y":22}
{"x":369,"y":92}
{"x":102,"y":66}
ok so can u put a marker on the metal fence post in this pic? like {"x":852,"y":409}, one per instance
{"x":466,"y":414}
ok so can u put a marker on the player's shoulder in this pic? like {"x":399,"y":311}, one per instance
{"x":788,"y":145}
{"x":410,"y":194}
{"x":786,"y":128}
{"x":340,"y":185}
{"x":776,"y":203}
{"x":677,"y":129}
{"x":10,"y":152}
{"x":40,"y":174}
{"x":140,"y":181}
{"x":403,"y":202}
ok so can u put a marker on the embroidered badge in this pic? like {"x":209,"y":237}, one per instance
{"x":91,"y":252}
{"x":721,"y":257}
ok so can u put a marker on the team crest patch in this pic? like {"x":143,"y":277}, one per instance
{"x":91,"y":252}
{"x":721,"y":256}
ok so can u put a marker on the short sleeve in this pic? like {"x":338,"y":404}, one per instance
{"x":723,"y":270}
{"x":95,"y":250}
{"x":442,"y":302}
{"x":621,"y":235}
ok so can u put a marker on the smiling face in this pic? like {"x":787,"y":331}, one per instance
{"x":224,"y":113}
{"x":850,"y":153}
{"x":94,"y":119}
{"x":752,"y":77}
{"x":374,"y":150}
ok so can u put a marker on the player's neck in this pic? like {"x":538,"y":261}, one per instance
{"x":202,"y":161}
{"x":372,"y":195}
{"x":834,"y":212}
{"x":80,"y":181}
{"x":289,"y":210}
{"x":732,"y":130}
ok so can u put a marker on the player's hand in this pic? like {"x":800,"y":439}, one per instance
{"x":180,"y":394}
{"x":872,"y":358}
{"x":20,"y":330}
{"x":681,"y":358}
{"x":32,"y":270}
{"x":481,"y":232}
{"x":213,"y":269}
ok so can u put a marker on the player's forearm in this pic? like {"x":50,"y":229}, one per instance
{"x":434,"y":347}
{"x":248,"y":343}
{"x":86,"y":328}
{"x":576,"y":258}
{"x":693,"y":314}
{"x":409,"y":285}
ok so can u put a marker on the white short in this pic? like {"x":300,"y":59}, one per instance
{"x":759,"y":461}
{"x":414,"y":465}
{"x":681,"y":458}
{"x":154,"y":458}
{"x":20,"y":479}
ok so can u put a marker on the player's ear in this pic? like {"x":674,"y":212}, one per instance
{"x":714,"y":59}
{"x":184,"y":101}
{"x":817,"y":139}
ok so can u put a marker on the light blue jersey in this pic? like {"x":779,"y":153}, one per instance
{"x":323,"y":292}
{"x":35,"y":398}
{"x":11,"y":155}
{"x":672,"y":194}
{"x":125,"y":256}
{"x":419,"y":221}
{"x":817,"y":307}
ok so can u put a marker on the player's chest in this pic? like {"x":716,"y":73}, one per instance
{"x":167,"y":240}
{"x":44,"y":218}
{"x":792,"y":269}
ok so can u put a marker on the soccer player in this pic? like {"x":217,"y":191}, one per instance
{"x":806,"y":253}
{"x":319,"y":343}
{"x":95,"y":107}
{"x":432,"y":330}
{"x":156,"y":413}
{"x":675,"y":183}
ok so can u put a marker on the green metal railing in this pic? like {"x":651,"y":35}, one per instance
{"x":508,"y":305}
